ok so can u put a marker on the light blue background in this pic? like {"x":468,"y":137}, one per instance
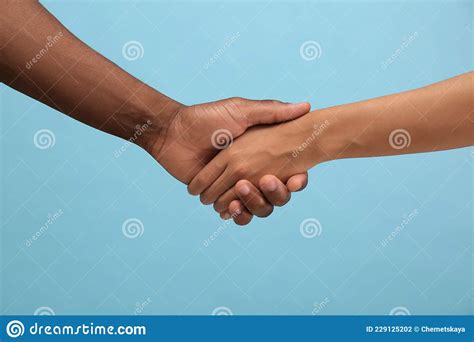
{"x":85,"y":265}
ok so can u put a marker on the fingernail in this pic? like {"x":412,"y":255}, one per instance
{"x":226,"y":216}
{"x":245,"y":190}
{"x":238,"y":211}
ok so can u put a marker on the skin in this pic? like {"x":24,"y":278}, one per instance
{"x":433,"y":118}
{"x":246,"y":199}
{"x":74,"y":79}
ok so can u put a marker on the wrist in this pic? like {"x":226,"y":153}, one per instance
{"x":317,"y":142}
{"x":149,"y":114}
{"x":333,"y":139}
{"x":345,"y":136}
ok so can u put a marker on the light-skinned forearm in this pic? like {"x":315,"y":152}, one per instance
{"x":432,"y":118}
{"x":42,"y":59}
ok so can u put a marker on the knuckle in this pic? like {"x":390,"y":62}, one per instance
{"x":220,"y":164}
{"x":265,"y":180}
{"x":240,"y":184}
{"x":230,"y":154}
{"x":237,"y":100}
{"x":240,"y":170}
{"x":204,"y":198}
{"x":272,"y":102}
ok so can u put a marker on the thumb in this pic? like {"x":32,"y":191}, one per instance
{"x":272,"y":111}
{"x":297,"y":182}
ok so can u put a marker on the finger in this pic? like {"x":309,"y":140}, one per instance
{"x":222,"y":203}
{"x":274,"y":190}
{"x":225,"y":215}
{"x":240,"y":215}
{"x":272,"y":111}
{"x":208,"y":175}
{"x":220,"y":185}
{"x":297,"y":182}
{"x":253,"y":199}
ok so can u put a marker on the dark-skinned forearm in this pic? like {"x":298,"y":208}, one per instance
{"x":41,"y":58}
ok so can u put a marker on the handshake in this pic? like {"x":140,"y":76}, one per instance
{"x":223,"y":150}
{"x":245,"y":156}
